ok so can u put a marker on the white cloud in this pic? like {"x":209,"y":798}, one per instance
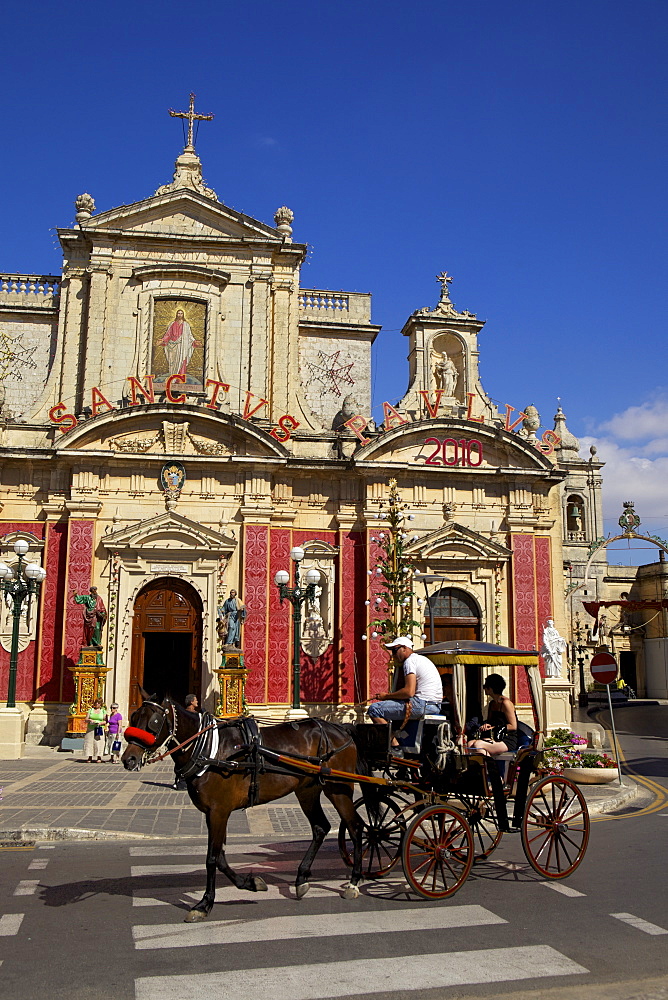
{"x":636,"y":423}
{"x":634,"y":446}
{"x":629,"y":475}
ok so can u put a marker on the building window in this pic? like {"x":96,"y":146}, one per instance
{"x":575,"y":519}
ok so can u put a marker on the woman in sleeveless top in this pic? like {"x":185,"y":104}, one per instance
{"x":501,"y":712}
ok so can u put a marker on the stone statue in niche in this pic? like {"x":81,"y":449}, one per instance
{"x":314,"y":609}
{"x":445,"y":373}
{"x":554,"y":646}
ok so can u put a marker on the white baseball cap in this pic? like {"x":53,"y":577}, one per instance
{"x":401,"y":640}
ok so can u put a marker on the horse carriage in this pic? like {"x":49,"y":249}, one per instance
{"x":438,"y":807}
{"x":444,"y":808}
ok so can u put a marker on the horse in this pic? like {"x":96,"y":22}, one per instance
{"x":225,"y":772}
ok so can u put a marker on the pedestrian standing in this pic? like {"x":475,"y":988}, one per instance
{"x":94,"y":738}
{"x":114,"y":735}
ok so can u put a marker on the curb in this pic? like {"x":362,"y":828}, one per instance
{"x":73,"y":833}
{"x":629,"y":791}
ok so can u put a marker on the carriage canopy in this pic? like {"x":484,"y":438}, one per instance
{"x":460,"y":653}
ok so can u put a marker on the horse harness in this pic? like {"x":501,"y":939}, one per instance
{"x":250,"y":756}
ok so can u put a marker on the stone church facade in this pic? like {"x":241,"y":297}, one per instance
{"x":178,"y":337}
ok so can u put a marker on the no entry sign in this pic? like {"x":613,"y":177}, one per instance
{"x":603,"y":668}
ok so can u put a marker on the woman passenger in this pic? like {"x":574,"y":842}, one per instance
{"x":500,"y":713}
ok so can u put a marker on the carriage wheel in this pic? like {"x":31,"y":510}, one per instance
{"x":481,"y":817}
{"x":555,"y":827}
{"x":381,"y":838}
{"x":437,"y":852}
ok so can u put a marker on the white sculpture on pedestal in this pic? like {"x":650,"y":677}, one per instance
{"x":554,"y":646}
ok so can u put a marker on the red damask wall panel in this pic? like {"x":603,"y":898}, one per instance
{"x":379,"y":658}
{"x":279,"y":670}
{"x":26,"y":674}
{"x":543,"y":586}
{"x":53,"y":597}
{"x":256,"y":559}
{"x":352,"y":650}
{"x":524,"y":604}
{"x":79,"y":573}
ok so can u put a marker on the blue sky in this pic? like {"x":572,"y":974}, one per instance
{"x":520,"y":146}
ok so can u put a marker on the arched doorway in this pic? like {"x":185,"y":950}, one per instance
{"x":166,"y":641}
{"x":454,"y":614}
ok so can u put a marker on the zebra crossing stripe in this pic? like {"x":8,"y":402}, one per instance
{"x":138,"y":870}
{"x":26,"y":887}
{"x":370,"y":975}
{"x":286,"y":928}
{"x":565,"y":890}
{"x":10,"y":923}
{"x":639,"y":923}
{"x":38,"y":864}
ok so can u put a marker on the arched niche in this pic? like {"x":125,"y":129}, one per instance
{"x":447,"y":346}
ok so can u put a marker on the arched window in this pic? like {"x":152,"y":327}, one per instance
{"x":575,"y":519}
{"x":451,"y":603}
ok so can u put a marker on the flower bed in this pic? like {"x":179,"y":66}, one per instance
{"x":565,"y":753}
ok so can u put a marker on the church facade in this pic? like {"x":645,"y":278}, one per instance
{"x":178,"y":413}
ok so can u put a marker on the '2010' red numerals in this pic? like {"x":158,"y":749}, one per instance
{"x":449,"y":452}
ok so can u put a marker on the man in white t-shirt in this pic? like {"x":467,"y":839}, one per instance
{"x":422,"y":687}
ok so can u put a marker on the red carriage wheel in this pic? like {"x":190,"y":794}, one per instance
{"x":555,"y":827}
{"x":381,"y":840}
{"x":437,"y":852}
{"x":480,"y":815}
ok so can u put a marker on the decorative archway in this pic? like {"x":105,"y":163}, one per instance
{"x":166,"y":641}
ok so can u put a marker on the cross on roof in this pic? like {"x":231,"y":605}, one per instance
{"x":192,"y":117}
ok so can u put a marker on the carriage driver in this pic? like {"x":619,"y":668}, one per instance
{"x":422,"y":687}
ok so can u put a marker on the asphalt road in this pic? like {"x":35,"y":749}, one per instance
{"x":105,"y":920}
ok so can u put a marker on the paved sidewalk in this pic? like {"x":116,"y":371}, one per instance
{"x":52,"y":795}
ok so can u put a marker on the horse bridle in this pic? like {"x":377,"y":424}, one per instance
{"x":146,"y":738}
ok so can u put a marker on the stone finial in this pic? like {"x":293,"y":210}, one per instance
{"x":85,"y":207}
{"x":188,"y":174}
{"x":568,"y":448}
{"x":284,"y":219}
{"x":531,"y":423}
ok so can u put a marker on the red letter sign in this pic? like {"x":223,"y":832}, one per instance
{"x":179,"y":398}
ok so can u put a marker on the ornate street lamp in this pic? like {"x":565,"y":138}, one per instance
{"x":297,"y":595}
{"x":19,"y":586}
{"x":580,"y":648}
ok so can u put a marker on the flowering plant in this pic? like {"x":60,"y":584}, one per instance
{"x":565,"y":738}
{"x":562,"y":750}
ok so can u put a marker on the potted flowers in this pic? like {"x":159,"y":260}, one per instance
{"x":566,"y":753}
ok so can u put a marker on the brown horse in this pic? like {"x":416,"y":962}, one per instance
{"x":240,"y":775}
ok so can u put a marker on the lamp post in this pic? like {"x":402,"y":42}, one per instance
{"x":296,"y":595}
{"x":583,"y":697}
{"x":17,"y":586}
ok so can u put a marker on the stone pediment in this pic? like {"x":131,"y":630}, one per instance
{"x":169,"y":532}
{"x":185,"y":212}
{"x":158,"y":431}
{"x":416,"y":443}
{"x":453,"y":540}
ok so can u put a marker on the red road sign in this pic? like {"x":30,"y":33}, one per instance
{"x":603,"y":668}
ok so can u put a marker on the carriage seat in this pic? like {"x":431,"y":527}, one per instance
{"x":525,"y":737}
{"x":410,"y":737}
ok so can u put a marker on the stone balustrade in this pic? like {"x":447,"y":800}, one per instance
{"x":32,"y":291}
{"x":334,"y":307}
